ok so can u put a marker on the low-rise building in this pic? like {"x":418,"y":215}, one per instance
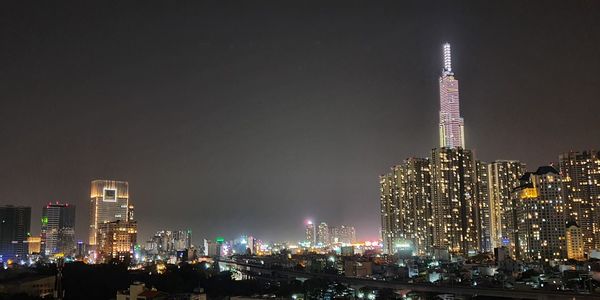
{"x":357,"y":268}
{"x":35,"y":286}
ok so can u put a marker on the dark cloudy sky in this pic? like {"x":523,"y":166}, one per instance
{"x":250,"y":117}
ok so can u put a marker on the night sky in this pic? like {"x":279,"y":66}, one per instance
{"x":250,"y":117}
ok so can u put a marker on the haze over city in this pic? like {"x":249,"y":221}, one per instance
{"x":232,"y":119}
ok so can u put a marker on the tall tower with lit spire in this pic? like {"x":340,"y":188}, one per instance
{"x":452,"y":133}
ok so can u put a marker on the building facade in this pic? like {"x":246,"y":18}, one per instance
{"x":58,"y":229}
{"x":323,"y":234}
{"x":34,"y":245}
{"x":454,"y":205}
{"x":15,"y":225}
{"x":116,"y":240}
{"x":541,"y":216}
{"x":575,"y":241}
{"x":168,"y":242}
{"x":109,"y":202}
{"x":580,"y":172}
{"x":310,"y":233}
{"x":482,"y":206}
{"x":343,"y":234}
{"x":417,"y":209}
{"x":389,"y":210}
{"x":503,"y":177}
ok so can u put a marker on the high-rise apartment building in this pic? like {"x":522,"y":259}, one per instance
{"x":416,"y":209}
{"x":580,"y":172}
{"x":109,"y":202}
{"x":541,"y":216}
{"x":167,"y":242}
{"x":58,"y":229}
{"x":406,"y":207}
{"x":15,"y":224}
{"x":310,"y":233}
{"x":389,"y":209}
{"x":482,"y":206}
{"x":503,"y":177}
{"x":181,"y":240}
{"x":343,"y":234}
{"x":323,"y":237}
{"x":391,"y":231}
{"x":451,"y":123}
{"x":454,"y":205}
{"x":116,"y":239}
{"x":574,"y":238}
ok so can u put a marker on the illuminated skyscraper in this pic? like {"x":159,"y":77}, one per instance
{"x":58,"y":229}
{"x":416,"y":205}
{"x":310,"y":233}
{"x":34,"y":243}
{"x":323,"y":234}
{"x":116,"y":239}
{"x":581,"y":189}
{"x":109,"y":201}
{"x":451,"y":123}
{"x":406,"y":207}
{"x":503,"y":177}
{"x":390,"y":214}
{"x":541,"y":216}
{"x":15,"y":224}
{"x":482,"y":205}
{"x":454,"y":205}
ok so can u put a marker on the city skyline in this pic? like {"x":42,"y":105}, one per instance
{"x":261,"y":126}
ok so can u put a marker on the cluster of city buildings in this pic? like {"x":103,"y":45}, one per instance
{"x":452,"y":203}
{"x":322,"y":235}
{"x":113,"y":230}
{"x":113,"y":234}
{"x":57,"y":234}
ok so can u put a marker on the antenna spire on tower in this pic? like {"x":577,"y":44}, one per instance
{"x":447,"y":59}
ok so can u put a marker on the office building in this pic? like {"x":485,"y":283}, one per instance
{"x":130,"y":212}
{"x":15,"y":224}
{"x":213,"y":248}
{"x":581,"y":190}
{"x":541,"y":216}
{"x":58,"y":229}
{"x":109,"y":202}
{"x":503,"y":177}
{"x":116,"y":240}
{"x":454,"y":205}
{"x":451,"y":123}
{"x":81,"y":250}
{"x":34,"y":245}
